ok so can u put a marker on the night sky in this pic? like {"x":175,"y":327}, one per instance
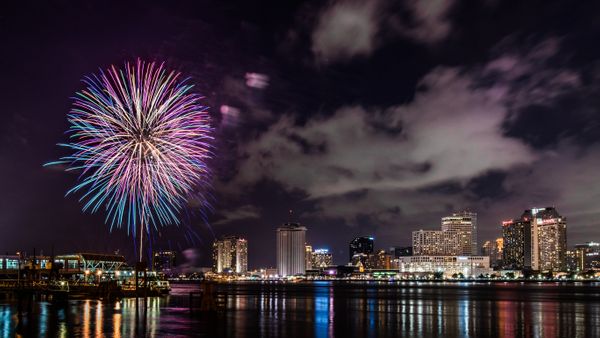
{"x":364,"y":117}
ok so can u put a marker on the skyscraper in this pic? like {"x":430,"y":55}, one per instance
{"x":548,"y":239}
{"x":516,"y":254}
{"x":230,"y":254}
{"x":361,"y":245}
{"x":308,"y":256}
{"x":465,"y":223}
{"x":291,"y":249}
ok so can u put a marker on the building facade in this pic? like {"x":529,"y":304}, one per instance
{"x":465,"y":224}
{"x":230,"y":255}
{"x":308,"y":253}
{"x":436,"y":243}
{"x":548,"y":239}
{"x":468,"y":266}
{"x":321,"y":258}
{"x":291,"y":249}
{"x":587,"y":256}
{"x":516,"y":236}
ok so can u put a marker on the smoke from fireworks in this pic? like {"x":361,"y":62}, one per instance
{"x":141,"y":139}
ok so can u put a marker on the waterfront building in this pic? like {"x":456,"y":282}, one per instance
{"x":548,"y":239}
{"x":321,"y":258}
{"x":163,"y":260}
{"x":516,"y":235}
{"x":587,"y":256}
{"x":436,"y":243}
{"x":536,"y":241}
{"x":465,"y":224}
{"x":291,"y":249}
{"x":361,"y":245}
{"x":83,"y":264}
{"x":230,"y":255}
{"x":308,"y":256}
{"x":571,"y":260}
{"x":9,"y":266}
{"x":468,"y":266}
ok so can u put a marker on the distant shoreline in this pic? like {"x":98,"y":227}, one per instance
{"x":423,"y":282}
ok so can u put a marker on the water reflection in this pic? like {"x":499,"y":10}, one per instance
{"x":321,"y":310}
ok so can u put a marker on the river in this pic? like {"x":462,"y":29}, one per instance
{"x":324,"y":309}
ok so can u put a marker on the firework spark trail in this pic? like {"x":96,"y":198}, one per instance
{"x":141,"y":140}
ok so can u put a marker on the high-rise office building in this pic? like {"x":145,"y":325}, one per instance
{"x":291,"y":249}
{"x":465,"y":223}
{"x":539,"y":237}
{"x":361,"y":245}
{"x":548,"y":239}
{"x":230,"y":255}
{"x":436,"y":243}
{"x":516,"y":254}
{"x":321,"y":258}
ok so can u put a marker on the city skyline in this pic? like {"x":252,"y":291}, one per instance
{"x":515,"y":249}
{"x":299,"y":168}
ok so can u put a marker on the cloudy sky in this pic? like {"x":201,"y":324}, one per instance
{"x":363,"y":117}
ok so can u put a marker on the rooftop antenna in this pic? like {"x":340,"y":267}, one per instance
{"x":291,"y":215}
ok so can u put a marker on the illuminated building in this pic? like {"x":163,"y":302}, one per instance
{"x":587,"y":256}
{"x":321,"y":258}
{"x":571,"y":260}
{"x":465,"y":224}
{"x":308,"y":252}
{"x":486,"y":248}
{"x":362,"y":261}
{"x":493,"y":249}
{"x":361,"y":245}
{"x":537,"y":241}
{"x":548,"y":239}
{"x":163,"y":260}
{"x":291,"y":249}
{"x":435,"y":243}
{"x":383,"y":260}
{"x":516,"y":254}
{"x":230,"y":255}
{"x":468,"y":266}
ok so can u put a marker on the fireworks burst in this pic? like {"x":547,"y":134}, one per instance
{"x":141,"y":139}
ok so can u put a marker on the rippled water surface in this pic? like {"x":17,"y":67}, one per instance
{"x":323,"y":309}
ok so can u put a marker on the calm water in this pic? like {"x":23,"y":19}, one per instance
{"x":325,"y":309}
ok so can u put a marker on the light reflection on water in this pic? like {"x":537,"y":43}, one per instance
{"x":321,"y":310}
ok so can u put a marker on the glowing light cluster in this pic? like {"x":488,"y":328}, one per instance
{"x":140,"y":138}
